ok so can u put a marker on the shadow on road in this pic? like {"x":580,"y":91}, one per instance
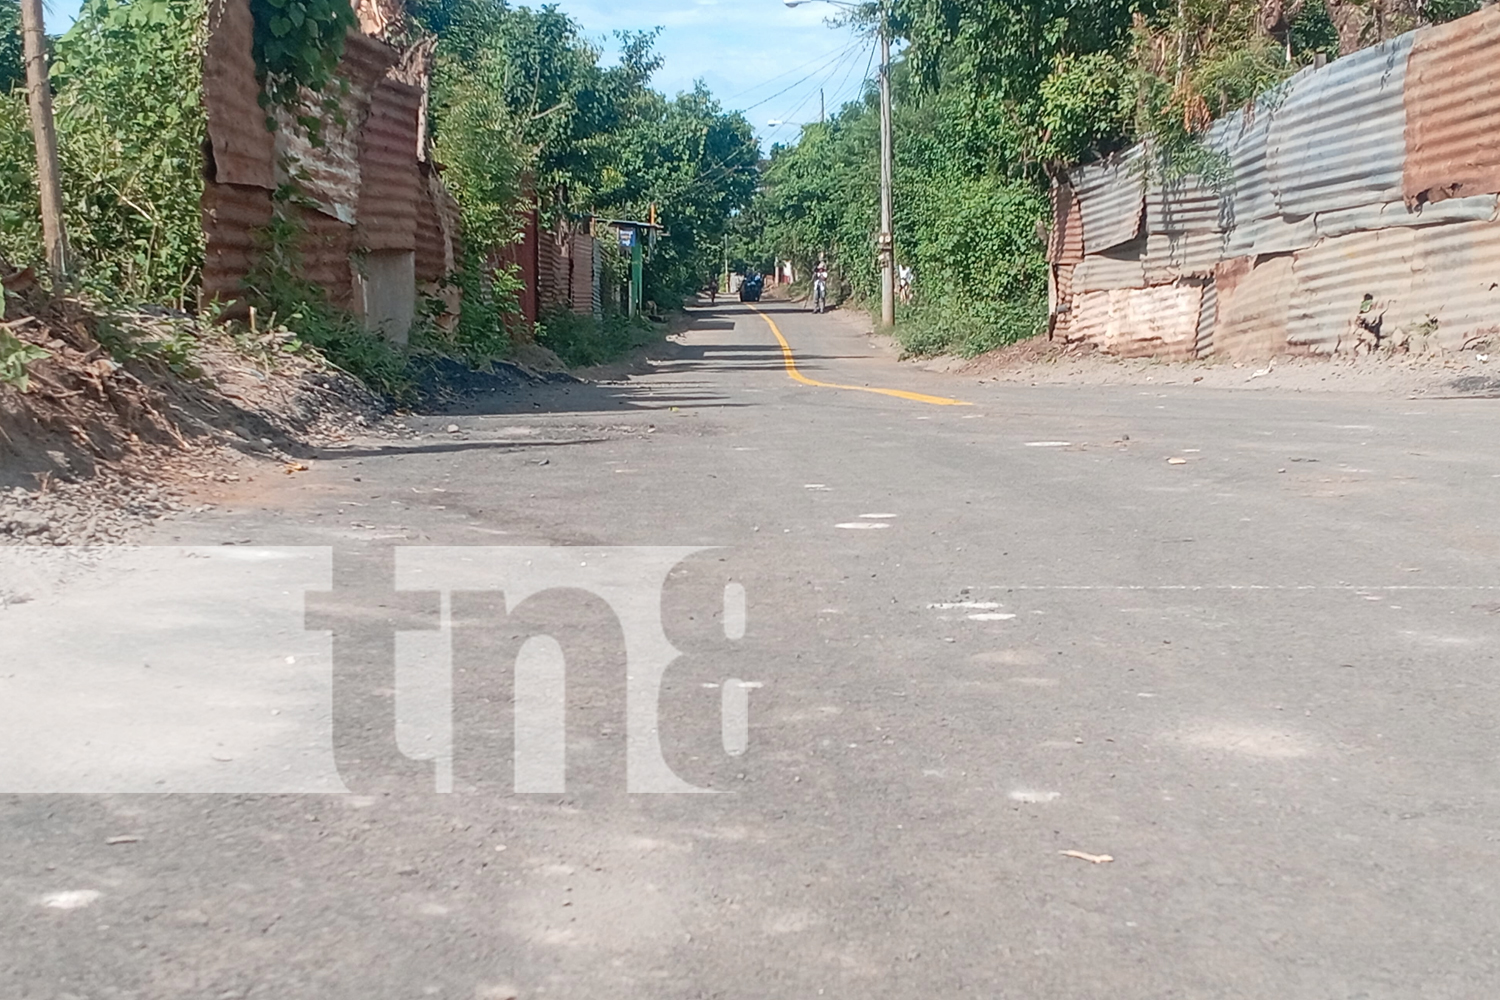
{"x":684,"y":374}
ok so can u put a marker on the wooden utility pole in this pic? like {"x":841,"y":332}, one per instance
{"x":887,"y":238}
{"x":44,"y":135}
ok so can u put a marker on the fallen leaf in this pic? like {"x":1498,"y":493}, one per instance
{"x":1095,"y":859}
{"x":1177,"y":461}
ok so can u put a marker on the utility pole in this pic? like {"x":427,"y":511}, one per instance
{"x":822,"y":108}
{"x":887,"y":242}
{"x":44,"y":136}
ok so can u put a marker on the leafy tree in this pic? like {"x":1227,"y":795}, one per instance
{"x":12,"y":65}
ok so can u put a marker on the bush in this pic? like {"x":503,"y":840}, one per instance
{"x":583,"y":340}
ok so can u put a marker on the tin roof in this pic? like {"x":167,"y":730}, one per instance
{"x":1339,"y":140}
{"x":243,"y":148}
{"x":1452,"y":105}
{"x":1252,"y":307}
{"x":1111,"y":195}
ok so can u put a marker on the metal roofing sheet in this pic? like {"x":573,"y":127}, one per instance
{"x":1252,"y":307}
{"x":1182,"y":255}
{"x":1192,"y":204}
{"x":1341,"y":283}
{"x":1111,"y":194}
{"x":1060,"y":288}
{"x":1065,"y":238}
{"x":1339,"y":141}
{"x":1257,"y":225}
{"x":325,"y":248}
{"x":1203,"y":338}
{"x":328,"y":174}
{"x":1479,"y":208}
{"x":1452,"y":106}
{"x":232,"y":216}
{"x":1456,"y":285}
{"x":243,"y":148}
{"x":1139,"y":322}
{"x":390,"y":187}
{"x":1123,"y":266}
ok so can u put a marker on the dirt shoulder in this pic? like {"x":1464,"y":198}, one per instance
{"x":1041,"y":362}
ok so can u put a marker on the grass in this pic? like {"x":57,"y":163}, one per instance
{"x":967,"y":329}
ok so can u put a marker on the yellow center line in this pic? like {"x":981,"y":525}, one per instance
{"x":790,"y":361}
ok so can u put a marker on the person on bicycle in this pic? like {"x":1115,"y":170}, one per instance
{"x":820,"y":286}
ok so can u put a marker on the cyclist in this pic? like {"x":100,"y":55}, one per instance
{"x":820,"y":286}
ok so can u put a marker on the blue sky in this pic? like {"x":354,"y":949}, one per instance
{"x":745,"y":50}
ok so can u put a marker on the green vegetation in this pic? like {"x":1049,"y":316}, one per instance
{"x":15,"y":355}
{"x":992,"y":98}
{"x":524,"y":112}
{"x":127,"y":78}
{"x":583,"y":340}
{"x":297,"y":44}
{"x":12,"y":66}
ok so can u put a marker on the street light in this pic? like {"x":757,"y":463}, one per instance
{"x":885,"y":243}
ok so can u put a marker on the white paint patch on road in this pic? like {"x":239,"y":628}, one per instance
{"x":1011,"y":657}
{"x":879,"y":516}
{"x":734,"y":611}
{"x":1263,"y":742}
{"x":1048,"y":444}
{"x":1026,"y":795}
{"x":991,"y":616}
{"x":71,"y":899}
{"x":861,"y":525}
{"x":976,"y":605}
{"x":815,"y":486}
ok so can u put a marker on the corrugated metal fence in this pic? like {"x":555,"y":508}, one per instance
{"x":376,"y":221}
{"x":1356,"y":211}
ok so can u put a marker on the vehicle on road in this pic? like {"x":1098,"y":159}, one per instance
{"x":750,"y":288}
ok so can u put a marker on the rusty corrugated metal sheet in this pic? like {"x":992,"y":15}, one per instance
{"x":581,"y":285}
{"x":328,"y":175}
{"x":1332,"y":280}
{"x":1123,"y":266}
{"x":1452,"y":107}
{"x":326,"y":246}
{"x":1339,"y":141}
{"x":243,"y":148}
{"x":1065,"y":239}
{"x":1111,"y":195}
{"x":232,"y":217}
{"x":1139,"y":322}
{"x":431,"y":249}
{"x":1060,"y":288}
{"x":1253,"y":299}
{"x":1182,"y":255}
{"x":1456,"y":285}
{"x":1257,"y":225}
{"x":390,"y":188}
{"x":1479,"y":208}
{"x":1208,"y":311}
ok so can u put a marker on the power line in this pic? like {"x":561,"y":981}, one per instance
{"x":785,"y":72}
{"x":839,"y":57}
{"x":852,"y":50}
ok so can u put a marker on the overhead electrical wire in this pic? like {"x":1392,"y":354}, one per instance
{"x":855,"y":49}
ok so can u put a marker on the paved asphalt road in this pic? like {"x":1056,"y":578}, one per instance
{"x":1262,"y":680}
